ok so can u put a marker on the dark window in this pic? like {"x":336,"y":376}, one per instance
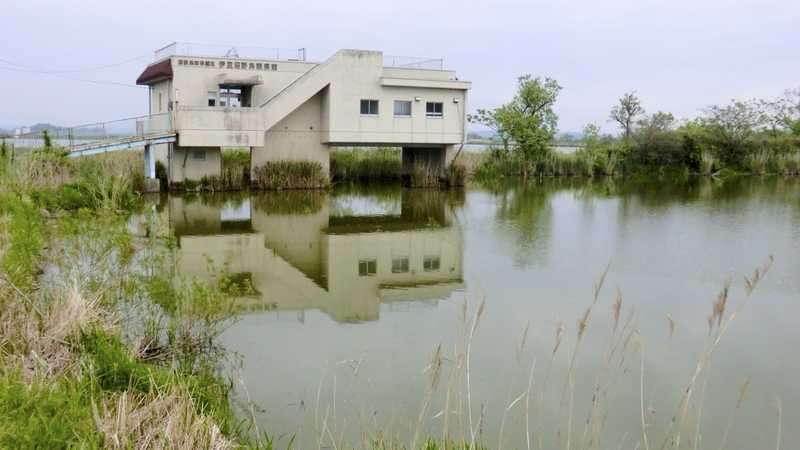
{"x":434,"y":109}
{"x":199,"y":154}
{"x":400,"y":265}
{"x":367,"y":267}
{"x":212,"y":98}
{"x":369,"y":107}
{"x":431,"y":263}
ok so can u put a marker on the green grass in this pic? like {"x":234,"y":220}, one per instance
{"x":24,"y":236}
{"x":51,"y":414}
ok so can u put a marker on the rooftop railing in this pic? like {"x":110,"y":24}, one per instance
{"x":413,"y":62}
{"x":230,"y":51}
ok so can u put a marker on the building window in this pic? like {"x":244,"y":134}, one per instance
{"x":212,"y":98}
{"x":400,"y":265}
{"x":434,"y":109}
{"x":199,"y":155}
{"x":231,"y":97}
{"x":431,"y":263}
{"x":402,"y":108}
{"x":369,"y":107}
{"x":159,"y":102}
{"x":367,"y":267}
{"x":274,"y":67}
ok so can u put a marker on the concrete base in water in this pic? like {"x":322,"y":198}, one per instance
{"x":151,"y":185}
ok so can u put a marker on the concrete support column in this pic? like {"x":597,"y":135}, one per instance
{"x":433,"y":157}
{"x":149,"y":161}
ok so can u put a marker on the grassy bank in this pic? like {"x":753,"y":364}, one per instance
{"x":93,"y":353}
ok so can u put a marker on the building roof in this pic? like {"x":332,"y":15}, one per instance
{"x":156,"y":72}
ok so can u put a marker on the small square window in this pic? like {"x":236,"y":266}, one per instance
{"x":274,"y":67}
{"x":212,"y":98}
{"x":434,"y":109}
{"x":400,"y":265}
{"x":431,"y":263}
{"x":199,"y":155}
{"x":402,"y":108}
{"x":258,"y":66}
{"x":369,"y":107}
{"x":367,"y":267}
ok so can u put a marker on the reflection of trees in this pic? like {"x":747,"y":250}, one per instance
{"x":525,"y":215}
{"x":524,"y":211}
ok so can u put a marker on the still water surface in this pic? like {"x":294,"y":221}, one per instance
{"x":354,"y":290}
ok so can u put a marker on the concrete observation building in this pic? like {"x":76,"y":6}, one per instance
{"x":282,"y":107}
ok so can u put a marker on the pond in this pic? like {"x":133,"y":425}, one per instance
{"x":354,"y":290}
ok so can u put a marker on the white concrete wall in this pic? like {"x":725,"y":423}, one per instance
{"x":219,"y":127}
{"x":295,"y":138}
{"x":184,"y":166}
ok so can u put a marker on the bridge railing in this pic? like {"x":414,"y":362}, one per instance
{"x":128,"y":128}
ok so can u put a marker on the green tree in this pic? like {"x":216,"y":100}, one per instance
{"x":527,"y":124}
{"x":626,"y":112}
{"x":656,"y":140}
{"x":784,"y":112}
{"x":731,"y":127}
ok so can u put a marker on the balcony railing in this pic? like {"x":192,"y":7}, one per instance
{"x":413,"y":62}
{"x":230,"y":51}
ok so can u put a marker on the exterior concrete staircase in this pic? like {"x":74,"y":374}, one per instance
{"x":302,"y":88}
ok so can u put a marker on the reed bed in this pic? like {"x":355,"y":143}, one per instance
{"x":359,"y":164}
{"x":290,"y":175}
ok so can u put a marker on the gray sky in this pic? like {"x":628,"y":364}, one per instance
{"x":679,"y":55}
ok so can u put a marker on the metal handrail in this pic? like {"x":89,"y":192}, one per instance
{"x":229,"y":51}
{"x":413,"y":62}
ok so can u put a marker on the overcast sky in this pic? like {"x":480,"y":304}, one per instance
{"x":679,"y":55}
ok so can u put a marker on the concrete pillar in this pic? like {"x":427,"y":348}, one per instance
{"x":151,"y":183}
{"x":149,"y":162}
{"x":431,"y":156}
{"x":193,"y":163}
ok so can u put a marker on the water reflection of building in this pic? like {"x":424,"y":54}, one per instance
{"x":299,"y":251}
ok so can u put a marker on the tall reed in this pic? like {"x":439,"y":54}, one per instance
{"x":289,"y":175}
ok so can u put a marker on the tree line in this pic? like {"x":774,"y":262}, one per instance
{"x":754,"y":136}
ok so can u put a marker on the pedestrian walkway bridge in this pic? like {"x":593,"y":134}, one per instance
{"x":100,"y":137}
